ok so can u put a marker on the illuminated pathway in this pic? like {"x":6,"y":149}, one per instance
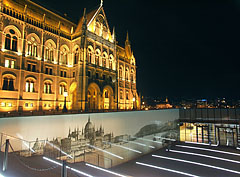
{"x":183,"y":159}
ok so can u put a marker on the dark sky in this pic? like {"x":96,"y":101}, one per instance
{"x":182,"y":48}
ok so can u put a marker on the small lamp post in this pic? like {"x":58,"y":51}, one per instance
{"x":65,"y":94}
{"x":134,"y":99}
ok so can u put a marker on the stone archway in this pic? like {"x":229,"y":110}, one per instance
{"x":108,"y":98}
{"x":73,"y":96}
{"x":93,"y":97}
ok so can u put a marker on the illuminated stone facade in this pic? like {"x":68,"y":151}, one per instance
{"x":45,"y":57}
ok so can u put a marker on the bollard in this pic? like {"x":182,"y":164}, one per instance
{"x":64,"y":168}
{"x":5,"y":160}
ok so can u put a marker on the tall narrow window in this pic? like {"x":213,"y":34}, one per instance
{"x":11,"y":87}
{"x":29,"y":49}
{"x":47,"y":54}
{"x":51,"y":55}
{"x":14,"y":43}
{"x":7,"y":63}
{"x":7,"y":41}
{"x":5,"y":84}
{"x":35,"y":51}
{"x":76,"y":56}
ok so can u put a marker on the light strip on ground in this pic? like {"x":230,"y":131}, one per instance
{"x":207,"y":156}
{"x":59,"y":149}
{"x":140,"y":144}
{"x":196,"y":163}
{"x":105,"y":151}
{"x":23,"y":141}
{"x":165,"y":138}
{"x":212,"y":150}
{"x":1,"y":175}
{"x":73,"y":169}
{"x":238,"y":148}
{"x":105,"y":170}
{"x":133,"y":150}
{"x":207,"y":144}
{"x":150,"y":140}
{"x":166,"y":169}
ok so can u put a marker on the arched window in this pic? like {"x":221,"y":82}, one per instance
{"x":110,"y":62}
{"x":127,"y":95}
{"x":127,"y":74}
{"x":76,"y":56}
{"x":50,"y":47}
{"x":29,"y":87}
{"x":8,"y":83}
{"x":14,"y":43}
{"x":121,"y":94}
{"x":7,"y":42}
{"x":64,"y":55}
{"x":104,"y":59}
{"x":106,"y":94}
{"x":132,"y":74}
{"x":90,"y":55}
{"x":120,"y":72}
{"x":62,"y":89}
{"x":97,"y":58}
{"x":32,"y":46}
{"x":47,"y":87}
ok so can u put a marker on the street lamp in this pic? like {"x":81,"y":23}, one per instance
{"x":65,"y":94}
{"x":133,"y":101}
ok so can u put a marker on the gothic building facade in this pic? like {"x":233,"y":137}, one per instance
{"x":45,"y":58}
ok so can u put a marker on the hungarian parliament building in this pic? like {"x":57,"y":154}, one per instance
{"x":48,"y":62}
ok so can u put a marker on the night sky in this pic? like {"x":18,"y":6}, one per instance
{"x":183,"y":49}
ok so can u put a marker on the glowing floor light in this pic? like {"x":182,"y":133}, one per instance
{"x":105,"y":170}
{"x":1,"y":175}
{"x":137,"y":143}
{"x":105,"y":151}
{"x":212,"y":150}
{"x":196,"y":163}
{"x":59,"y":149}
{"x":207,"y":156}
{"x":206,"y":144}
{"x":24,"y":143}
{"x":166,"y":169}
{"x":73,"y":169}
{"x":169,"y":139}
{"x":133,"y":150}
{"x":150,"y":140}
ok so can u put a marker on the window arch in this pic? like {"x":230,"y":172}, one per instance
{"x":104,"y":59}
{"x":132,"y":75}
{"x":121,"y":94}
{"x":62,"y":88}
{"x":47,"y":87}
{"x":64,"y":50}
{"x":30,"y":85}
{"x":127,"y":74}
{"x":50,"y":47}
{"x":97,"y":57}
{"x":76,"y":56}
{"x":12,"y":34}
{"x":111,"y":62}
{"x":120,"y":72}
{"x":90,"y":55}
{"x":33,"y":42}
{"x":8,"y":82}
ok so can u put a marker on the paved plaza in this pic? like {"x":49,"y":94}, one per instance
{"x":182,"y":159}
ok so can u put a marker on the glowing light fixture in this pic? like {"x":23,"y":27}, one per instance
{"x":133,"y":150}
{"x":105,"y":151}
{"x":166,"y":169}
{"x":108,"y":171}
{"x":73,"y":169}
{"x":197,"y":163}
{"x":59,"y":149}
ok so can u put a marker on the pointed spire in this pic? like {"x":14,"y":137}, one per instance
{"x":113,"y":34}
{"x":127,"y":39}
{"x":101,"y":3}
